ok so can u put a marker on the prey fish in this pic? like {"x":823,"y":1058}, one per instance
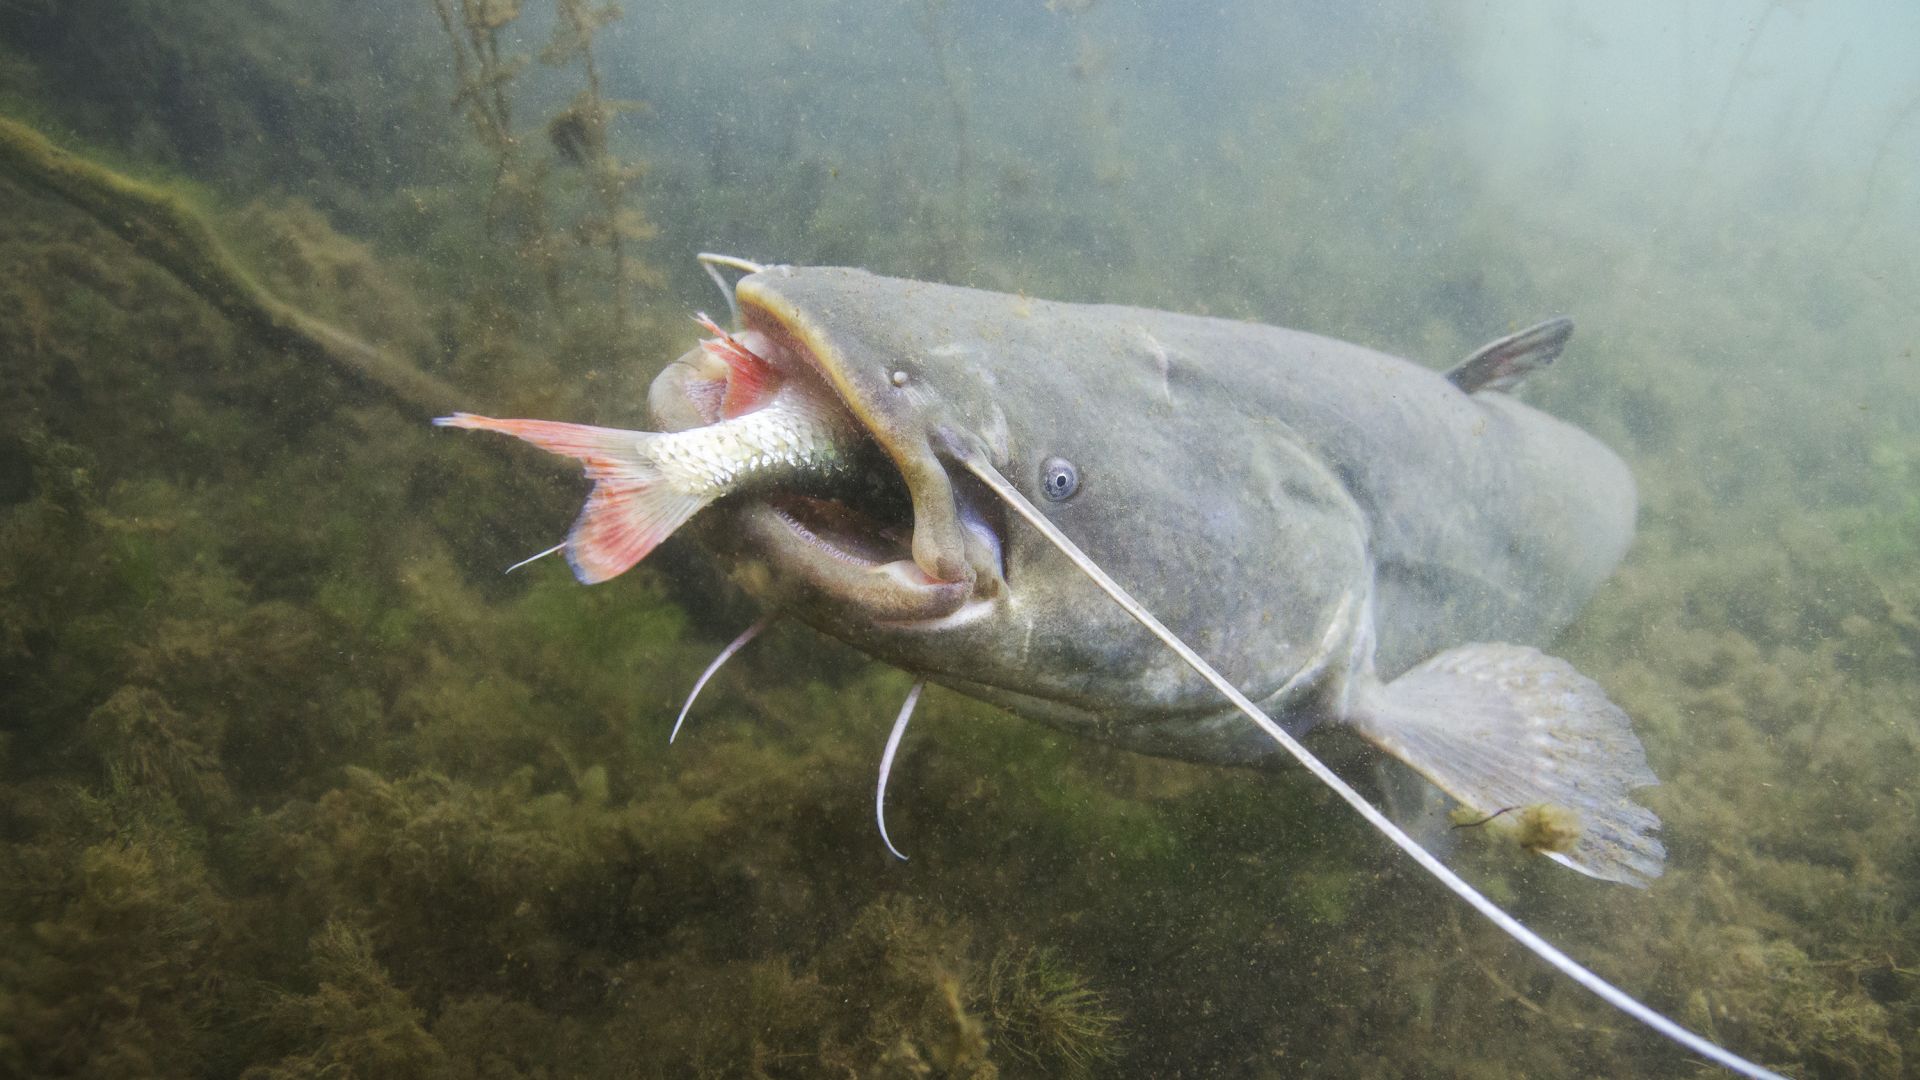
{"x":769,"y":430}
{"x":1188,"y":536}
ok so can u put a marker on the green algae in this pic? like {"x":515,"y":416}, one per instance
{"x":354,"y":1023}
{"x":1048,"y":1016}
{"x":117,"y":953}
{"x":165,"y":230}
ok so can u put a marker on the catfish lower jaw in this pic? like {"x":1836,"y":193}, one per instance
{"x":818,"y":554}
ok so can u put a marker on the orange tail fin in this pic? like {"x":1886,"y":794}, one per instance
{"x":630,"y":510}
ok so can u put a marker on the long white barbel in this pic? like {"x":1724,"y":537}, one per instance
{"x":1513,"y":927}
{"x":726,"y":654}
{"x":886,"y":764}
{"x":711,"y":262}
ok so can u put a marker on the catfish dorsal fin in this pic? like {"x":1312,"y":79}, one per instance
{"x":976,"y":463}
{"x":1503,"y":364}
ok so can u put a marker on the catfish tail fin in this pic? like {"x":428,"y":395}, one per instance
{"x":1503,"y":728}
{"x":631,"y":508}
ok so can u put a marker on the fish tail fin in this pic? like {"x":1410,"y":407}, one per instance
{"x":626,"y":517}
{"x":1513,"y":733}
{"x":631,"y":508}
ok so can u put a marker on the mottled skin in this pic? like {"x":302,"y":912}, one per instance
{"x":1298,"y":509}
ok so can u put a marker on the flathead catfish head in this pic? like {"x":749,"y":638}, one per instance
{"x":1121,"y":427}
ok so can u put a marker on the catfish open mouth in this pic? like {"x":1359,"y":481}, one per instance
{"x":842,"y":531}
{"x":887,"y":533}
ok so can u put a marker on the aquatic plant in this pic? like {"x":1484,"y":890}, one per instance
{"x":354,"y":1023}
{"x":143,"y":738}
{"x":522,"y":206}
{"x":1048,"y":1015}
{"x":118,"y":961}
{"x":579,"y":134}
{"x":164,"y":229}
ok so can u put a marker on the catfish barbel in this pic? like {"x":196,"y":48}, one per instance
{"x":1314,"y":533}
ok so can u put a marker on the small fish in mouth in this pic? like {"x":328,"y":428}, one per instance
{"x":769,"y":430}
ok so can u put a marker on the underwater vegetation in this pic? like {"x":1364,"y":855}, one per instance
{"x":524,"y":205}
{"x":294,"y":783}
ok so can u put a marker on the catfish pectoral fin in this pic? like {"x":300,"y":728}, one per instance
{"x":1510,"y":731}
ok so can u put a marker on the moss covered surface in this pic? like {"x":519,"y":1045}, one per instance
{"x":293,"y":783}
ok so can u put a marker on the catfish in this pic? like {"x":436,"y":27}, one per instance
{"x":1310,"y":533}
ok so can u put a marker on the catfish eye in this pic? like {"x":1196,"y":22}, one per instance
{"x":1059,"y":479}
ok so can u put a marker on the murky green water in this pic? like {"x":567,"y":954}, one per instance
{"x":293,"y":782}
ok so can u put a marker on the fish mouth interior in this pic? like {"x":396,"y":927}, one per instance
{"x":861,"y":536}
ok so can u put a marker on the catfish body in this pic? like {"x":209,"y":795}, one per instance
{"x":1345,"y":536}
{"x":1351,"y":538}
{"x":1298,"y":509}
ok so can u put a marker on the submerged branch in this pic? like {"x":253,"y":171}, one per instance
{"x":165,"y":230}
